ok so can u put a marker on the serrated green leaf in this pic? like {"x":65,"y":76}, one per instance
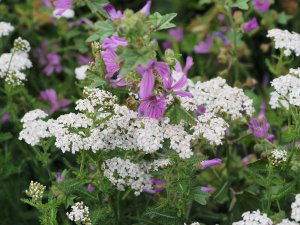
{"x":97,"y":6}
{"x":161,"y":22}
{"x":104,"y":29}
{"x":131,"y":58}
{"x":283,"y":18}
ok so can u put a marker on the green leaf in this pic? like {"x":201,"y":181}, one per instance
{"x":160,"y":22}
{"x":97,"y":6}
{"x":5,"y":136}
{"x":283,"y":18}
{"x":204,"y":2}
{"x":176,"y":113}
{"x":131,"y":58}
{"x":241,"y":4}
{"x":199,"y":196}
{"x":104,"y":29}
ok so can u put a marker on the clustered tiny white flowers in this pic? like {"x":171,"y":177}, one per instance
{"x":289,"y":42}
{"x":211,"y":128}
{"x":35,"y":191}
{"x":21,"y":45}
{"x":80,"y":72}
{"x":103,"y":125}
{"x":286,"y":90}
{"x":296,"y":209}
{"x":254,"y":218}
{"x":5,"y":29}
{"x":124,"y":173}
{"x":195,"y":223}
{"x":188,"y":103}
{"x":12,"y":64}
{"x":80,"y":214}
{"x":219,"y":98}
{"x":278,"y":156}
{"x":69,"y":13}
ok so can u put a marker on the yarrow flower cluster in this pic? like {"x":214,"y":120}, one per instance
{"x":80,"y":214}
{"x":124,"y":173}
{"x":278,"y":156}
{"x":286,"y":90}
{"x":80,"y":72}
{"x":296,"y":209}
{"x":35,"y":191}
{"x":12,"y":64}
{"x":219,"y":98}
{"x":254,"y":218}
{"x":289,"y":42}
{"x":5,"y":29}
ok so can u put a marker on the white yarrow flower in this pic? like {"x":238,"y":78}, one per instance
{"x":5,"y":29}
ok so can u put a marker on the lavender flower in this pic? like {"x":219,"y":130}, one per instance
{"x":176,"y":34}
{"x":223,"y":38}
{"x":209,"y":163}
{"x":5,"y":117}
{"x":148,"y":79}
{"x":158,"y":186}
{"x":112,"y":65}
{"x":47,"y":3}
{"x":59,"y":177}
{"x":83,"y":60}
{"x":247,"y":158}
{"x":114,"y":42}
{"x":50,"y":95}
{"x":261,"y":5}
{"x":90,"y":188}
{"x":61,"y":6}
{"x":260,"y":126}
{"x":146,"y":9}
{"x":54,"y":64}
{"x":250,"y":25}
{"x":152,"y":107}
{"x":112,"y":12}
{"x":207,"y":189}
{"x":204,"y":46}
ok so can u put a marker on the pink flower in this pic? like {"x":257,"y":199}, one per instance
{"x":261,"y":5}
{"x":61,"y":6}
{"x":53,"y":64}
{"x":146,"y":9}
{"x":148,"y":79}
{"x":114,"y":42}
{"x":204,"y":46}
{"x":152,"y":107}
{"x":5,"y":117}
{"x":246,"y":159}
{"x":90,"y":188}
{"x":59,"y":177}
{"x":50,"y":95}
{"x":112,"y":12}
{"x":176,"y":34}
{"x":209,"y":163}
{"x":250,"y":25}
{"x":158,"y":186}
{"x":207,"y":189}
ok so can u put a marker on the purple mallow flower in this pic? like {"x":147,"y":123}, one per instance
{"x":90,"y":188}
{"x":59,"y":177}
{"x":83,"y":60}
{"x":5,"y":117}
{"x":61,"y":6}
{"x":261,"y":5}
{"x":204,"y":46}
{"x":223,"y":38}
{"x":47,"y":3}
{"x":146,"y":8}
{"x":158,"y":186}
{"x":209,"y":163}
{"x":152,"y":107}
{"x":112,"y":12}
{"x":250,"y":25}
{"x":247,"y":158}
{"x":114,"y":42}
{"x":260,"y":126}
{"x":176,"y":34}
{"x":207,"y":189}
{"x":50,"y":95}
{"x":53,"y":64}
